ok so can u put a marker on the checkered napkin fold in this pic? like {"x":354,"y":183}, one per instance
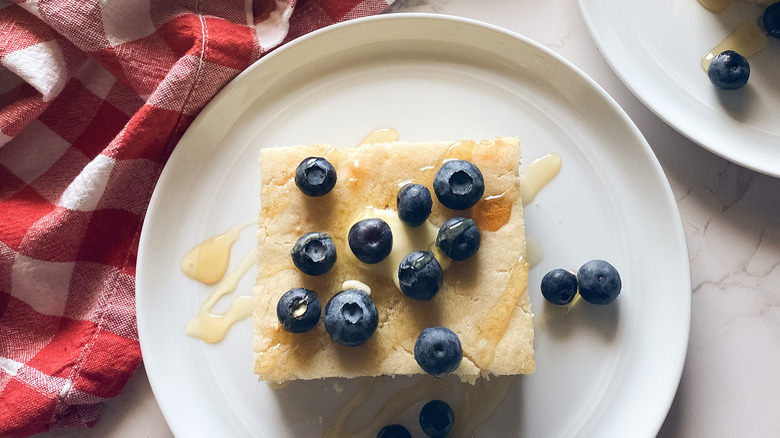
{"x":94,"y":95}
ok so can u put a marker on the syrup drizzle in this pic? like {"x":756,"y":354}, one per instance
{"x":381,"y":135}
{"x":746,"y":39}
{"x":492,"y":212}
{"x":213,"y":327}
{"x":533,"y":250}
{"x":537,"y":175}
{"x":208,"y":261}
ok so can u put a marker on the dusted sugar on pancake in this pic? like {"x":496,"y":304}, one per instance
{"x":483,"y":299}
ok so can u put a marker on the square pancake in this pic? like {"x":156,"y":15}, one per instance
{"x":483,"y":299}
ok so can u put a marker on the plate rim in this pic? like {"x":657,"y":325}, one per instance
{"x":619,"y":62}
{"x":241,"y":77}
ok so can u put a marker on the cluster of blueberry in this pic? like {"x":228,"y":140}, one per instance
{"x":350,"y":316}
{"x":436,"y":420}
{"x":729,"y":70}
{"x":597,"y":281}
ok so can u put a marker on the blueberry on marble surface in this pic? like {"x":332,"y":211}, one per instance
{"x":371,"y":240}
{"x":458,"y":184}
{"x":559,"y":286}
{"x":314,"y":253}
{"x":771,"y":20}
{"x":394,"y":431}
{"x":458,"y":238}
{"x":315,"y":176}
{"x":298,"y":310}
{"x":414,"y":204}
{"x":438,"y":351}
{"x":599,"y":282}
{"x":420,"y":275}
{"x":437,"y":418}
{"x":351,"y":317}
{"x":729,"y":70}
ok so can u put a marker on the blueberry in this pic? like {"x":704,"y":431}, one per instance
{"x":371,"y":240}
{"x":437,"y":350}
{"x":314,"y":253}
{"x":394,"y":431}
{"x":599,"y":282}
{"x":414,"y":204}
{"x":315,"y":176}
{"x":458,"y":184}
{"x":298,"y":310}
{"x":729,"y":70}
{"x":420,"y":275}
{"x":458,"y":238}
{"x":436,"y":419}
{"x":559,"y":286}
{"x":771,"y":20}
{"x":351,"y":317}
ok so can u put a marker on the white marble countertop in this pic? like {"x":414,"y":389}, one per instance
{"x":731,"y":217}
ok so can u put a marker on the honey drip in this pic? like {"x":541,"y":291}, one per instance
{"x":533,"y":250}
{"x":537,"y":175}
{"x":208,"y":261}
{"x":211,"y":327}
{"x":746,"y":39}
{"x":381,"y":135}
{"x":494,"y":328}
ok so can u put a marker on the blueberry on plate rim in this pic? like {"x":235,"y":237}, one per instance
{"x":315,"y":176}
{"x":437,"y":418}
{"x":298,"y":310}
{"x":314,"y":253}
{"x":351,"y":317}
{"x":371,"y":240}
{"x":458,"y":184}
{"x":438,"y":351}
{"x":394,"y":431}
{"x":458,"y":238}
{"x":559,"y":286}
{"x":414,"y":203}
{"x":420,"y":275}
{"x":771,"y":19}
{"x":599,"y":282}
{"x":729,"y":70}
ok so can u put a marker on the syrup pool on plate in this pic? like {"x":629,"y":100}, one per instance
{"x":381,"y":135}
{"x":207,"y":262}
{"x":746,"y":39}
{"x":213,"y":327}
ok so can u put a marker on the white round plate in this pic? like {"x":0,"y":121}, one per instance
{"x":656,"y":48}
{"x":607,"y":371}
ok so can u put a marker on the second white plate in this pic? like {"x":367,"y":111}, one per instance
{"x":601,"y":371}
{"x":656,"y":47}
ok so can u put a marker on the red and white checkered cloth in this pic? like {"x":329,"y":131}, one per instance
{"x":94,"y":95}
